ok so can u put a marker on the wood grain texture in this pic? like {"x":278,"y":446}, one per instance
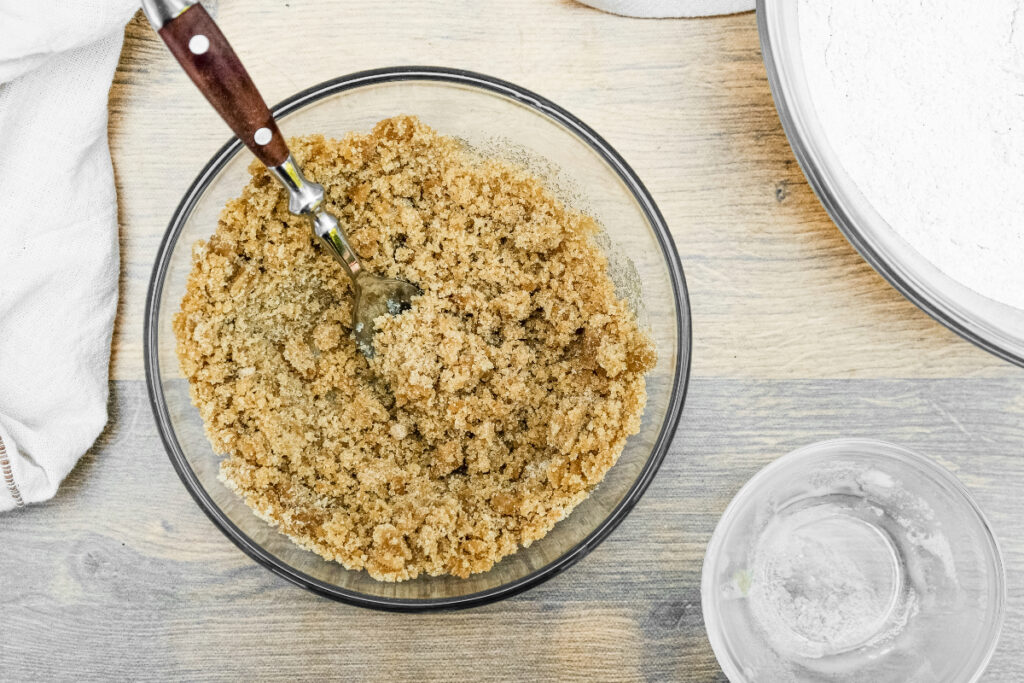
{"x":796,"y":340}
{"x":121,"y":574}
{"x":777,"y":291}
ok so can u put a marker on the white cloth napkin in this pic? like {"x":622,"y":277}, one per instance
{"x":671,"y":8}
{"x":58,"y":236}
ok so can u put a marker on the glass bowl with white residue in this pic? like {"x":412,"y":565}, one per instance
{"x":853,"y":560}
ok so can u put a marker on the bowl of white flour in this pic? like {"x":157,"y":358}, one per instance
{"x":906,"y":119}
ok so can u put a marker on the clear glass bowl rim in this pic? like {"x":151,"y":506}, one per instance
{"x":751,"y":489}
{"x":654,"y":218}
{"x":944,"y":310}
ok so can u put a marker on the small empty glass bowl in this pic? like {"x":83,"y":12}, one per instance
{"x":496,"y":118}
{"x":853,"y":560}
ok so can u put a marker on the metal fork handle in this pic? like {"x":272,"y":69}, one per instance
{"x":306,"y":198}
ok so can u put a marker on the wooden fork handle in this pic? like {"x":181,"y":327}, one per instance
{"x":206,"y":56}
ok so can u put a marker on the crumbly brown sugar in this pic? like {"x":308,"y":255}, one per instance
{"x":491,"y":408}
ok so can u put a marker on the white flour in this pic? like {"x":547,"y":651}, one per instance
{"x":923,"y":102}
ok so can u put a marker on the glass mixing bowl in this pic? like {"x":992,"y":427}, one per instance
{"x":992,"y":325}
{"x":853,"y":560}
{"x":497,"y":118}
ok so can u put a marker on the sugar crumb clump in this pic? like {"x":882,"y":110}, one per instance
{"x":490,"y":409}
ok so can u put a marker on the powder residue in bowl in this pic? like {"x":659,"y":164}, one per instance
{"x":491,"y":408}
{"x":921,"y":102}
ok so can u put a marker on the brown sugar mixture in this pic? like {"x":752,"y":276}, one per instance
{"x":491,"y":408}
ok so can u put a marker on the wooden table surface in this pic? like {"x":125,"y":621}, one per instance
{"x":796,"y":339}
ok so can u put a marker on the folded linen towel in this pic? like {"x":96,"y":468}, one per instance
{"x":671,"y":8}
{"x":58,"y":236}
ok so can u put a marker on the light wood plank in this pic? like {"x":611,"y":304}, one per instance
{"x":776,"y":290}
{"x":122,"y":575}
